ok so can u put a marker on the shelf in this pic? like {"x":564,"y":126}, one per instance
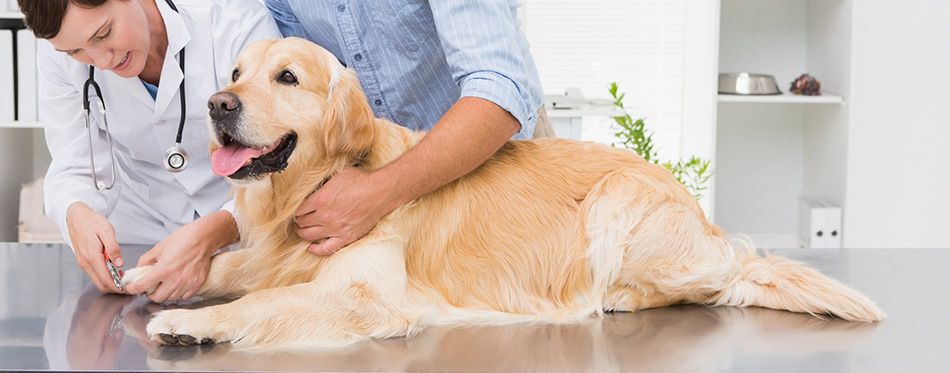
{"x":21,"y":124}
{"x":785,"y":98}
{"x":586,"y":111}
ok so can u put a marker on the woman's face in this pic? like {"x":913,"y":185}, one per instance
{"x":113,"y":36}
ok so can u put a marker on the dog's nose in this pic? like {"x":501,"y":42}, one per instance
{"x":223,"y":105}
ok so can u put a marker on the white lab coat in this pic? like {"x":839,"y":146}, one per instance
{"x":147,"y":202}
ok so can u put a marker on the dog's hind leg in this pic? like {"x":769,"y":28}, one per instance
{"x":628,"y":299}
{"x":650,"y":245}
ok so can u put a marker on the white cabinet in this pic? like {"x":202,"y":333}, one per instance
{"x":772,"y":149}
{"x":879,"y":154}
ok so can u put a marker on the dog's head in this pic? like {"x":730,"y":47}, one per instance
{"x":291,"y":105}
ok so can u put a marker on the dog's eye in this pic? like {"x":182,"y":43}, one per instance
{"x":287,"y":77}
{"x":235,"y":75}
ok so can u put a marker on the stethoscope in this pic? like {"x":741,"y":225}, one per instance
{"x":176,"y":159}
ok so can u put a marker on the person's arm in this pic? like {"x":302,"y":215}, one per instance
{"x":351,"y":203}
{"x":182,"y":260}
{"x":70,"y":198}
{"x":479,"y":39}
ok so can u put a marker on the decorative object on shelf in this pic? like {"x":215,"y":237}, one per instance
{"x":748,"y":84}
{"x":806,"y":85}
{"x":694,"y":173}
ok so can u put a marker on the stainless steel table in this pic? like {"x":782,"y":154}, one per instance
{"x":52,"y":318}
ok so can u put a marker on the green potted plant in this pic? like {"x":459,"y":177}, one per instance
{"x":694,"y":173}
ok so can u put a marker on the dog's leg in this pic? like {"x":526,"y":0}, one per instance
{"x":647,"y":233}
{"x":360,"y":293}
{"x":224,"y":278}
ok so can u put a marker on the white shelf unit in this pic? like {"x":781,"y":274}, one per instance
{"x":772,"y":149}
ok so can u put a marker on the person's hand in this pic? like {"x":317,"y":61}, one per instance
{"x":182,"y":260}
{"x":342,"y":211}
{"x":91,"y":233}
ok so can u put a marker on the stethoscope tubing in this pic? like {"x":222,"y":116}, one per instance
{"x":176,"y":159}
{"x":105,"y":122}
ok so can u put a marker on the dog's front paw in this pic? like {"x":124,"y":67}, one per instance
{"x":182,"y":327}
{"x":136,"y":274}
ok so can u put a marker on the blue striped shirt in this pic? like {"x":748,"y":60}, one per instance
{"x":416,"y":58}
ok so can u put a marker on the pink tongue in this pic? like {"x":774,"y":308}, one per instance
{"x":227,"y":160}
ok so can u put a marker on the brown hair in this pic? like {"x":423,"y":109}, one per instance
{"x":45,"y":17}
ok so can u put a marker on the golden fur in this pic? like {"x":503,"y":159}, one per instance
{"x":549,"y":230}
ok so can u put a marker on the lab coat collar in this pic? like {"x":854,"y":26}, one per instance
{"x":178,"y":37}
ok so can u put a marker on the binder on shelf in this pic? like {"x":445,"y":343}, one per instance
{"x":6,"y":76}
{"x":26,"y":72}
{"x":819,"y":223}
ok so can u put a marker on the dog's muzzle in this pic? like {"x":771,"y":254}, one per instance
{"x":240,"y":161}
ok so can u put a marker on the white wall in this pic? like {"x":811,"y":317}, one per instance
{"x":826,"y":126}
{"x":898,"y":183}
{"x":700,"y":70}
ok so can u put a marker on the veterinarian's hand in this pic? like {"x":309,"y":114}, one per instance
{"x":91,"y":233}
{"x":181,"y":261}
{"x":342,"y":211}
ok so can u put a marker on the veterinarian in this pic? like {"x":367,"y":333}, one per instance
{"x":151,"y":182}
{"x":458,"y":69}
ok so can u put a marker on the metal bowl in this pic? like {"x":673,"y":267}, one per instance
{"x":748,"y":84}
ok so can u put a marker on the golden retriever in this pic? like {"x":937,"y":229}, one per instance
{"x":549,"y":230}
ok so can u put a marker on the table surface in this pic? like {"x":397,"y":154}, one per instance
{"x":52,"y":318}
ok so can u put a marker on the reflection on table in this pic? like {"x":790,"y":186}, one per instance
{"x":688,"y":337}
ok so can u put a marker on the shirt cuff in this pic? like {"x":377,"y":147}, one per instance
{"x":229,"y":207}
{"x":502,"y":91}
{"x":57,"y":213}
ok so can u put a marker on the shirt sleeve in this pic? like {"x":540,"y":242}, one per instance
{"x":241,"y":28}
{"x":229,"y":207}
{"x":286,"y":20}
{"x":69,"y":179}
{"x":480,"y":41}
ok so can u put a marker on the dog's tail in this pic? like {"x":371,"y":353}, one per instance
{"x":779,"y":283}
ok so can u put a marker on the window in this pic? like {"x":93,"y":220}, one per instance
{"x":640,"y":44}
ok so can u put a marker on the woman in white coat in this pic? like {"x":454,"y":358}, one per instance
{"x":136,"y":47}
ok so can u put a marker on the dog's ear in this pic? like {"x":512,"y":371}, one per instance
{"x":348,"y":125}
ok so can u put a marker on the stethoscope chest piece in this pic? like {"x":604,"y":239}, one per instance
{"x":176,"y":159}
